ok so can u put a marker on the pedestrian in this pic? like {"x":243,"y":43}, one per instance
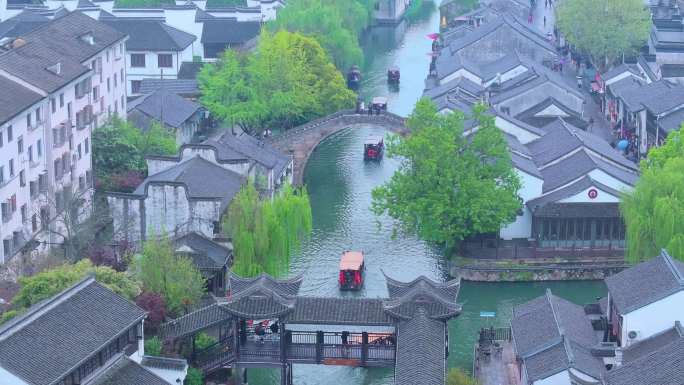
{"x":544,"y":21}
{"x":529,"y":18}
{"x":560,"y":65}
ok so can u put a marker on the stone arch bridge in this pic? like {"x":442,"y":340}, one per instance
{"x":301,"y":141}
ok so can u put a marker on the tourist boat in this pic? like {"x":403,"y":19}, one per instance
{"x":393,"y":75}
{"x":354,"y":78}
{"x":351,"y":270}
{"x":379,"y":103}
{"x":373,"y":148}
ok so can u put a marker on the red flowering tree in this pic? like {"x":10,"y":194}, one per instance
{"x":155,"y":306}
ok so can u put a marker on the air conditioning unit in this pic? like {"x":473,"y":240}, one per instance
{"x":633,"y":335}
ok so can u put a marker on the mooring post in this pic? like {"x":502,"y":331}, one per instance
{"x":319,"y":346}
{"x":364,"y":348}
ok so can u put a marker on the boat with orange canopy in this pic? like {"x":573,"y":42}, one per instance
{"x":351,"y":270}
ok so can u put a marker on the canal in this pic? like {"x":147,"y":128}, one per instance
{"x":340,"y":184}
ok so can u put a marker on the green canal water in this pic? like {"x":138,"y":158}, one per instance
{"x":340,"y":185}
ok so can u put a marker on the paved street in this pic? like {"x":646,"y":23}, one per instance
{"x":592,"y":109}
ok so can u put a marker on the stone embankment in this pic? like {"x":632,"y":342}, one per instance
{"x":520,"y":271}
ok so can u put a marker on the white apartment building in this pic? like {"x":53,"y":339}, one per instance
{"x":57,"y":83}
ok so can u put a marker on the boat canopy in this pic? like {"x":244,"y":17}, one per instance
{"x":374,"y":139}
{"x":351,"y":260}
{"x":381,"y":100}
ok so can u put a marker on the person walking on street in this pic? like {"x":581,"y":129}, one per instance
{"x":544,"y":21}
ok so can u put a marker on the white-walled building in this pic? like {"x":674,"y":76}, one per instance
{"x":646,"y":299}
{"x":87,"y":334}
{"x":61,"y":80}
{"x":153,"y":50}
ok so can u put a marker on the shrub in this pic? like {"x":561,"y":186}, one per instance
{"x":8,"y":315}
{"x":203,"y":341}
{"x":155,"y":307}
{"x":194,"y":377}
{"x":459,"y":377}
{"x":153,"y":347}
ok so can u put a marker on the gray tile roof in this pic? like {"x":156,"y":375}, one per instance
{"x":232,"y":147}
{"x":262,"y":296}
{"x":194,"y":322}
{"x":437,"y":300}
{"x":646,"y":347}
{"x":24,"y":22}
{"x":645,"y":283}
{"x":621,"y":69}
{"x":178,"y":86}
{"x":545,"y":319}
{"x":420,"y":351}
{"x":59,"y":41}
{"x":562,"y":356}
{"x":534,"y":116}
{"x":152,"y":35}
{"x":229,"y":31}
{"x":164,"y":363}
{"x":578,"y":165}
{"x":189,"y":70}
{"x":202,"y":179}
{"x":62,"y":332}
{"x":14,"y":99}
{"x":339,"y":311}
{"x":568,"y":191}
{"x":125,"y":371}
{"x":664,"y":366}
{"x":162,"y":106}
{"x":205,"y":253}
{"x":562,"y":139}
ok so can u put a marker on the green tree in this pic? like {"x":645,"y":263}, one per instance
{"x":266,"y":233}
{"x":288,"y":80}
{"x":336,"y":24}
{"x":449,"y":186}
{"x":120,"y":148}
{"x":50,"y":282}
{"x":653,"y":210}
{"x":173,"y":277}
{"x":604,"y":29}
{"x":459,"y":377}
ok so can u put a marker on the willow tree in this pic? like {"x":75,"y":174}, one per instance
{"x":653,"y":211}
{"x":265,"y":233}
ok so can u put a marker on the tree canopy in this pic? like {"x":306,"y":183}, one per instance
{"x":266,"y":232}
{"x":289,"y":80}
{"x":653,"y":211}
{"x":458,"y":377}
{"x":52,"y":281}
{"x":449,"y":186}
{"x":604,"y":29}
{"x":173,"y":277}
{"x":336,"y":24}
{"x":119,"y":151}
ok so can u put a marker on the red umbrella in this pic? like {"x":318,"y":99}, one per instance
{"x":433,"y":36}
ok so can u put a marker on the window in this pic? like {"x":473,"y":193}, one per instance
{"x":22,"y":178}
{"x":122,"y":103}
{"x":79,"y":151}
{"x":138,"y":60}
{"x":164,"y":60}
{"x":13,"y":203}
{"x":116,"y":106}
{"x":86,"y":145}
{"x":24,"y":213}
{"x":96,"y":92}
{"x":34,"y":223}
{"x":11,"y":167}
{"x":28,"y":121}
{"x":37,"y":115}
{"x":121,"y":76}
{"x":7,"y":246}
{"x":9,"y":134}
{"x":1,"y":139}
{"x":20,"y":145}
{"x":61,"y":100}
{"x":29,"y":150}
{"x":109,"y":88}
{"x":53,"y":105}
{"x":2,"y":174}
{"x":115,"y":80}
{"x":58,"y":169}
{"x":81,"y":182}
{"x":39,"y":148}
{"x":135,"y":86}
{"x":108,"y":55}
{"x":69,"y":110}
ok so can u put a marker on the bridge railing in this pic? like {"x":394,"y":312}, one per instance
{"x":349,"y":115}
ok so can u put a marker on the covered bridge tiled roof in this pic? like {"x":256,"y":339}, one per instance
{"x":261,"y":297}
{"x":421,"y":343}
{"x":437,"y":300}
{"x":194,"y":322}
{"x":339,"y":311}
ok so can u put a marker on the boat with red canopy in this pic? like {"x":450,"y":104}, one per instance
{"x":351,"y":270}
